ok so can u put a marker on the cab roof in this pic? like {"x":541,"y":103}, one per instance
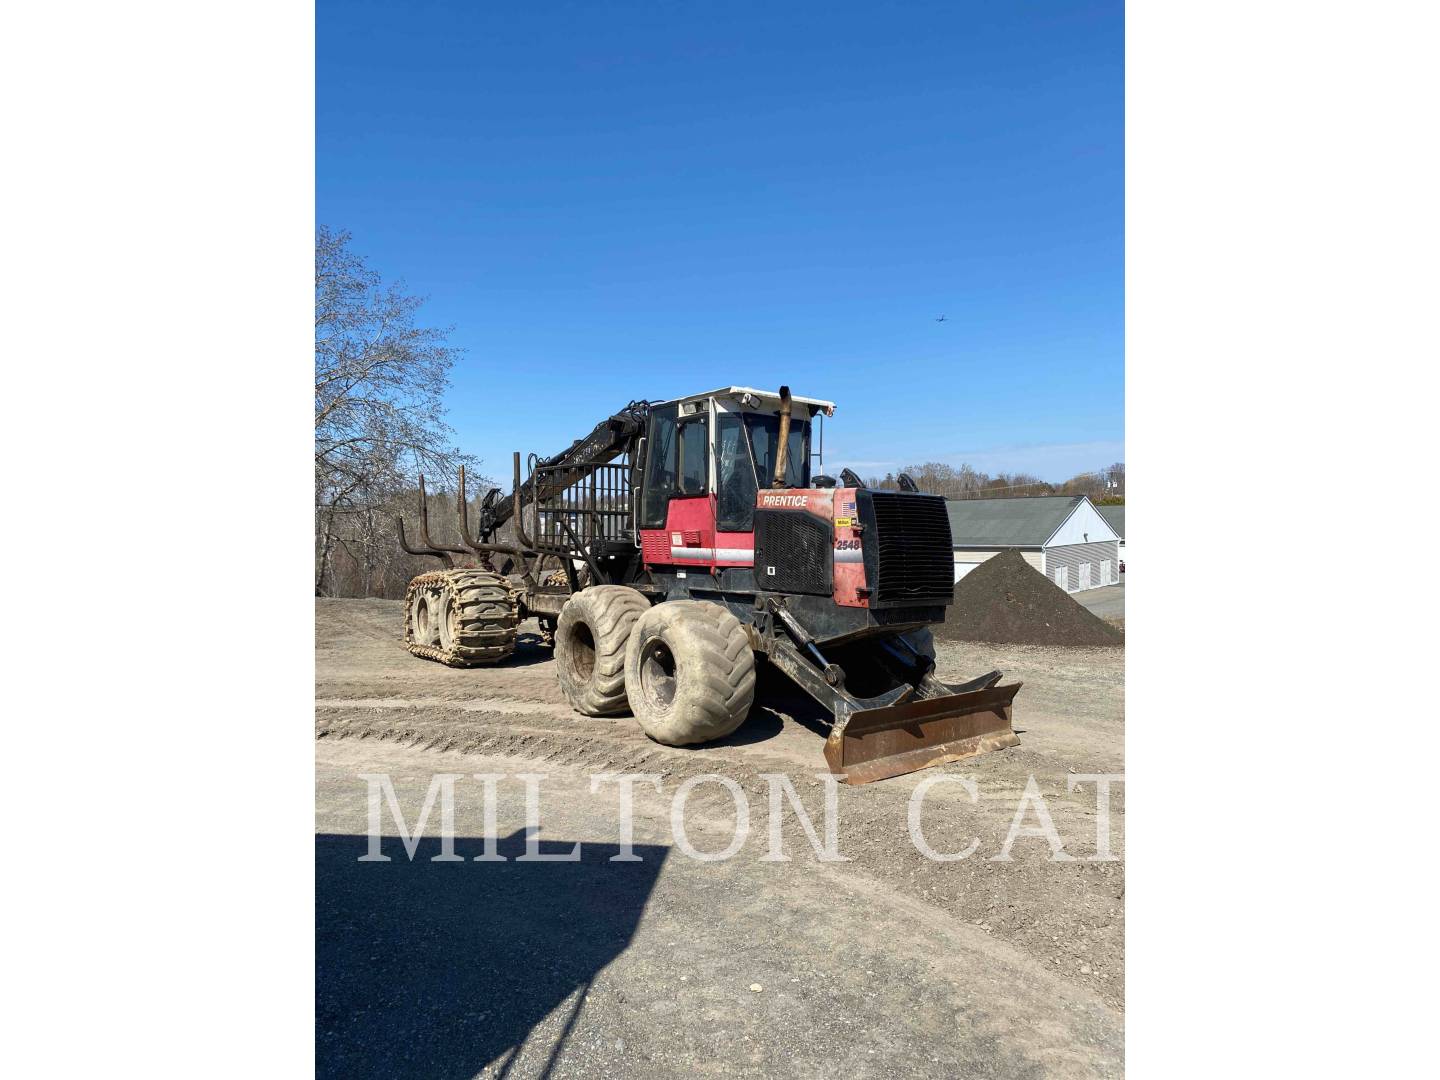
{"x":769,"y":398}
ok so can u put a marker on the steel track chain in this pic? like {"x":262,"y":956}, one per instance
{"x":483,"y":618}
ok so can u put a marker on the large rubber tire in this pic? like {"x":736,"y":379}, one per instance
{"x":590,"y":638}
{"x":423,"y":616}
{"x":462,"y":618}
{"x":689,"y":672}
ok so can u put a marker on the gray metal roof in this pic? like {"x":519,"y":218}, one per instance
{"x":1024,"y":522}
{"x":1114,"y":517}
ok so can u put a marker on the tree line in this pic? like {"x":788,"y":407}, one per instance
{"x":1103,"y":486}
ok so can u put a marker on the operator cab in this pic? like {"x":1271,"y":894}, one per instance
{"x":709,"y":455}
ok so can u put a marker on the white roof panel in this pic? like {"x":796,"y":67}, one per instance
{"x":764,"y":395}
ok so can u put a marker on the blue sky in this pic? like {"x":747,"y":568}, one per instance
{"x":620,"y":200}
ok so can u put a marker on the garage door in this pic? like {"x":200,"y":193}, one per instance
{"x":1062,"y":577}
{"x":1084,"y":575}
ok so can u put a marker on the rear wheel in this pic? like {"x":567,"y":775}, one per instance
{"x":424,"y":615}
{"x":689,"y":672}
{"x":462,"y":617}
{"x":590,"y":638}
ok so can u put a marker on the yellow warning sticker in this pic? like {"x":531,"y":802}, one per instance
{"x":844,"y":523}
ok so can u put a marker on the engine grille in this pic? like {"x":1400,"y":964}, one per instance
{"x":655,"y":547}
{"x":793,"y":552}
{"x":915,"y":563}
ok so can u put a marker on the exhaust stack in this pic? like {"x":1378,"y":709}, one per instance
{"x":783,"y":455}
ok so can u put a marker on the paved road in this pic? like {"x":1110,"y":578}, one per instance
{"x":1107,"y":602}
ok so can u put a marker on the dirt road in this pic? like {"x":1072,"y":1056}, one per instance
{"x":885,"y":964}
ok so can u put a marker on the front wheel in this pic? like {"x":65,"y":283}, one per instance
{"x":590,"y":639}
{"x":689,"y":672}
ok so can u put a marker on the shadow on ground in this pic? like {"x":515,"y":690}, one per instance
{"x":436,"y":969}
{"x":777,"y":698}
{"x":529,"y":649}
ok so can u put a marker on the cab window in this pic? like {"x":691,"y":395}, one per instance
{"x":661,"y":460}
{"x":694,"y":456}
{"x":764,"y":431}
{"x":735,"y":476}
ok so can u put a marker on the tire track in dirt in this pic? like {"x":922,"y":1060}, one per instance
{"x":1016,"y":902}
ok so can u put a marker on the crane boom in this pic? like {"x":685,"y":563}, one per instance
{"x":615,"y":435}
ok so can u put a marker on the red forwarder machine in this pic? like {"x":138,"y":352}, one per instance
{"x":686,"y":537}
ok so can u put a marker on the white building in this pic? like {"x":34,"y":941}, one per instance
{"x":1063,"y":536}
{"x":1115,"y":517}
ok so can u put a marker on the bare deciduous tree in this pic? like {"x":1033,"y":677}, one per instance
{"x":380,"y":381}
{"x":965,"y":482}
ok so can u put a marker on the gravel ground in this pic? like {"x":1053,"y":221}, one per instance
{"x":885,"y":964}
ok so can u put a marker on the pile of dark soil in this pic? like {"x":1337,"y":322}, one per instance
{"x":1005,"y":599}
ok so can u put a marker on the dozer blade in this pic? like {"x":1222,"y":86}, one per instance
{"x":873,"y":744}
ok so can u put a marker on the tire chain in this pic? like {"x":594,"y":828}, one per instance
{"x":487,"y":635}
{"x":557,"y":579}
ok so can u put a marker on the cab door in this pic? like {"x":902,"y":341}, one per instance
{"x":677,"y":504}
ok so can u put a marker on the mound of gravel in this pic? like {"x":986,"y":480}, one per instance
{"x":1005,"y":599}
